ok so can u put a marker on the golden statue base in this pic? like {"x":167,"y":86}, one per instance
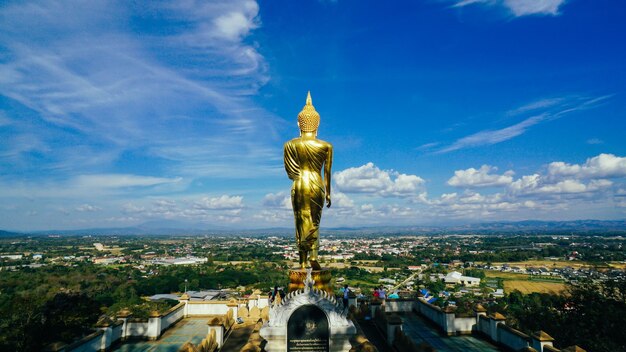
{"x":321,"y":277}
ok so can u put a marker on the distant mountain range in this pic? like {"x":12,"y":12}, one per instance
{"x":592,"y":227}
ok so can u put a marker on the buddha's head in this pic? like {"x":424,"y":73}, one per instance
{"x":308,"y":118}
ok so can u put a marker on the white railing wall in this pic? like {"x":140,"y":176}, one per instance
{"x":494,"y":328}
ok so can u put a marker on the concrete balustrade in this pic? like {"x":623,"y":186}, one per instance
{"x":492,"y":327}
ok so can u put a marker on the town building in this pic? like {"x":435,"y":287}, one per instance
{"x":456,"y":278}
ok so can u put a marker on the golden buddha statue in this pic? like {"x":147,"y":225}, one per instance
{"x":304,"y":158}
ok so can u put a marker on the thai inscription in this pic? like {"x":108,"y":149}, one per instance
{"x":307,"y":330}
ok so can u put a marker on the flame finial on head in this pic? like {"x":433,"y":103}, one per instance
{"x":308,"y":118}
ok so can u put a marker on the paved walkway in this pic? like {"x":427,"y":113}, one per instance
{"x":238,"y":338}
{"x":189,"y":329}
{"x":415,"y":327}
{"x":371,"y":332}
{"x":420,"y":330}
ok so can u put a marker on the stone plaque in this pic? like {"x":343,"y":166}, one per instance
{"x":307,"y":330}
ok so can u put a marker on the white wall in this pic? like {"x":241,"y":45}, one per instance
{"x":512,"y":338}
{"x":90,"y":343}
{"x":173,"y":316}
{"x":154,"y":328}
{"x":448,"y":322}
{"x":393,"y":305}
{"x":464,"y":325}
{"x":433,"y":313}
{"x":116,"y":334}
{"x":105,"y":337}
{"x":483,"y":325}
{"x":206,"y":308}
{"x":136,"y":328}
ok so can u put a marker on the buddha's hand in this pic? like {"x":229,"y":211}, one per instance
{"x":328,"y":201}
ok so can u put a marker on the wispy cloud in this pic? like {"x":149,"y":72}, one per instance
{"x":120,"y":181}
{"x":107,"y":84}
{"x":489,"y":137}
{"x":535,"y":105}
{"x":552,"y":109}
{"x":593,"y":141}
{"x":87,"y":208}
{"x":519,"y":8}
{"x":90,"y":186}
{"x":427,"y":146}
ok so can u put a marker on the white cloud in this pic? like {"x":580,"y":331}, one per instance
{"x":480,"y":178}
{"x":461,"y":3}
{"x":553,"y":109}
{"x":130,"y":208}
{"x":519,"y":8}
{"x":525,"y":183}
{"x":427,"y":146}
{"x":537,"y":184}
{"x":237,"y":24}
{"x":274,"y":216}
{"x":86,"y":72}
{"x":120,"y":181}
{"x":584,"y":189}
{"x":534,"y":7}
{"x":341,"y":200}
{"x":472,"y":205}
{"x":223,"y":202}
{"x":536,"y":105}
{"x":277,"y":200}
{"x":603,"y":165}
{"x":574,"y":186}
{"x":370,"y":179}
{"x":224,"y":208}
{"x":489,"y":137}
{"x":120,"y":186}
{"x":593,"y":141}
{"x":535,"y":196}
{"x":87,"y":208}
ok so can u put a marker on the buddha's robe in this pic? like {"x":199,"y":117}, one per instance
{"x":304,"y":159}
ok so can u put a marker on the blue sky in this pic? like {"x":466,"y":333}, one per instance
{"x":115,"y":114}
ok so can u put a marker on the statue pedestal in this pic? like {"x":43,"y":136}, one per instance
{"x":308,"y":319}
{"x":321,"y":277}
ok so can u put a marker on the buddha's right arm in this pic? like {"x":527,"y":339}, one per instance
{"x":328,"y":164}
{"x":291,"y":165}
